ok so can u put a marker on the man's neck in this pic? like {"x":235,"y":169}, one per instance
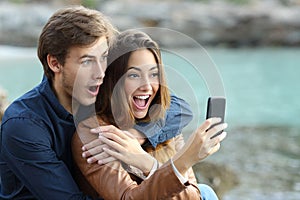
{"x":64,"y":99}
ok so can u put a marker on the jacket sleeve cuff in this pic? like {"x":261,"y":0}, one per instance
{"x":182,"y":179}
{"x":154,"y":168}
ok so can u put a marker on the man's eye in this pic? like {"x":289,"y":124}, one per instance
{"x":103,"y":58}
{"x":86,"y":62}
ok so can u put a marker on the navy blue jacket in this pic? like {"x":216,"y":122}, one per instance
{"x":35,"y":138}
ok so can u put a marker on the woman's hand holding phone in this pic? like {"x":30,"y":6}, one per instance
{"x":200,"y":144}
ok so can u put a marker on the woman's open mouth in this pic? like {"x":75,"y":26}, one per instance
{"x":141,"y":101}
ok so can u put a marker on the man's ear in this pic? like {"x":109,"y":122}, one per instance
{"x":53,"y":63}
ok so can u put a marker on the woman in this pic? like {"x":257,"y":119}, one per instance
{"x":134,"y":90}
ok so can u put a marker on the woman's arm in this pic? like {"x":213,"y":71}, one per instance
{"x":198,"y":147}
{"x":177,"y":117}
{"x":111,"y":181}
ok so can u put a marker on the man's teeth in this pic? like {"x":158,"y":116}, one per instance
{"x":142,"y":97}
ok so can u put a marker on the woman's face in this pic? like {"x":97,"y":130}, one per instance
{"x":141,"y":81}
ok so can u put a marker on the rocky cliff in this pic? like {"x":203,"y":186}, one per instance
{"x":255,"y":23}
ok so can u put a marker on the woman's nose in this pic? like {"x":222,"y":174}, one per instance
{"x":145,"y":84}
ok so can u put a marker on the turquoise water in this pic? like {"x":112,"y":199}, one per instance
{"x":263,"y":108}
{"x":261,"y":85}
{"x":20,"y":70}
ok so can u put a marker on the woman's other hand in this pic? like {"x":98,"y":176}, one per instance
{"x":125,"y":147}
{"x":93,"y":151}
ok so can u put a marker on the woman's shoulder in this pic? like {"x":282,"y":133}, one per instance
{"x":83,"y":129}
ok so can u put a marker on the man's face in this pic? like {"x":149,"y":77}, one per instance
{"x":83,"y":72}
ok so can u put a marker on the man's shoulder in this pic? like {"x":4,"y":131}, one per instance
{"x":26,"y":106}
{"x":20,"y":108}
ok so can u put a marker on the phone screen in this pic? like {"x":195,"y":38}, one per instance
{"x":216,"y":108}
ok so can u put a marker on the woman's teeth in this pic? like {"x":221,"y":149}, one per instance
{"x":142,"y":97}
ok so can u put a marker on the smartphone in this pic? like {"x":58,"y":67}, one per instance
{"x":216,"y":108}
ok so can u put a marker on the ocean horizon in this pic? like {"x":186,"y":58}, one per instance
{"x":263,"y":108}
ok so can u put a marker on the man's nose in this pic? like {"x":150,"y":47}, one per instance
{"x":99,"y":70}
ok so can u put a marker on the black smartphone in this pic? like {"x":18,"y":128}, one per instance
{"x":216,"y":108}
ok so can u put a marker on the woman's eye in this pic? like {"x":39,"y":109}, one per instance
{"x":133,"y":75}
{"x":156,"y":74}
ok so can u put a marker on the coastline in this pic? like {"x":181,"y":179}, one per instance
{"x":214,"y":23}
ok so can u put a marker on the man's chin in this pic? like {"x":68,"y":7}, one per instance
{"x":84,"y":102}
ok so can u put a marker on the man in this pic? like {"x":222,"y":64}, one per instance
{"x":36,"y":130}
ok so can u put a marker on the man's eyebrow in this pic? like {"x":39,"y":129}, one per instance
{"x":86,"y":56}
{"x":105,"y":52}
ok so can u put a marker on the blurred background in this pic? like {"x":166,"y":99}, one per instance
{"x":251,"y":45}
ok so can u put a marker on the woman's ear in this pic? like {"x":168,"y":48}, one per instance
{"x":53,"y":63}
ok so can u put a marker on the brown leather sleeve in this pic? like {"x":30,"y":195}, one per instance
{"x":111,"y":181}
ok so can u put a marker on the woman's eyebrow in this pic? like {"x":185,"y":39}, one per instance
{"x":134,"y":68}
{"x":138,"y":69}
{"x":153,"y":68}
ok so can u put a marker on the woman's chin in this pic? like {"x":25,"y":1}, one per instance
{"x":139,"y":114}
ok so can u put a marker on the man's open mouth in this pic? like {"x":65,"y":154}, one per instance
{"x":93,"y":89}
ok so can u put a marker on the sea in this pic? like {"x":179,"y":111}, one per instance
{"x":262,"y":90}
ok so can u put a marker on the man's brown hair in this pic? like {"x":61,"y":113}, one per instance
{"x":68,"y":27}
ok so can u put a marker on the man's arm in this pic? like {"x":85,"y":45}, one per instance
{"x":27,"y":148}
{"x":177,"y":117}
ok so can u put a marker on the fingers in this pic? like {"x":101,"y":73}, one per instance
{"x":111,"y":142}
{"x":97,"y":157}
{"x":214,"y":149}
{"x":222,"y":136}
{"x":96,"y":130}
{"x":130,"y":135}
{"x":218,"y":139}
{"x":216,"y":130}
{"x":109,"y":129}
{"x":106,"y":160}
{"x":98,"y":154}
{"x":91,"y":145}
{"x":113,"y":154}
{"x":208,"y":123}
{"x":93,"y":151}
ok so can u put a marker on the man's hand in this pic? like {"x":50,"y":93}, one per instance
{"x":93,"y":150}
{"x":120,"y":145}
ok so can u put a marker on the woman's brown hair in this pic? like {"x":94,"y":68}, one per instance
{"x":111,"y":104}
